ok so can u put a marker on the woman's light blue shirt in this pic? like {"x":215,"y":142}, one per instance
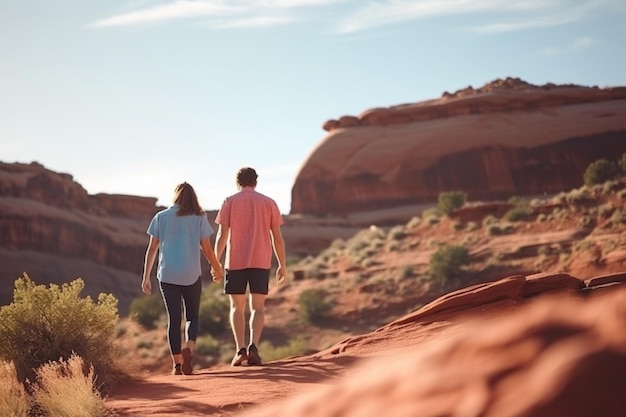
{"x":179,"y":245}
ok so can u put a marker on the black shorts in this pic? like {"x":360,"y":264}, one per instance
{"x":237,"y":281}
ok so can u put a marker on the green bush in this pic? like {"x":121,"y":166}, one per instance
{"x":313,"y":305}
{"x":601,"y":171}
{"x":516,"y":214}
{"x":447,"y":264}
{"x":46,"y":324}
{"x":214,"y":311}
{"x":295,"y":347}
{"x":147,"y":310}
{"x":450,"y":201}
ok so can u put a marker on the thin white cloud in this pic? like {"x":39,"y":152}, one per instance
{"x":381,"y":13}
{"x":254,"y":21}
{"x":530,"y":23}
{"x":176,"y":10}
{"x":245,"y":13}
{"x":575,"y":45}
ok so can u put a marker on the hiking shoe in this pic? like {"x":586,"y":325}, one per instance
{"x":253,"y":356}
{"x":177,"y":369}
{"x":186,"y":367}
{"x":240,"y":357}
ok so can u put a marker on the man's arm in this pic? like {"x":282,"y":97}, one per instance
{"x":278,"y":244}
{"x":221,"y":240}
{"x":209,"y":254}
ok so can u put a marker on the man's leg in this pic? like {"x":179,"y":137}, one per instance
{"x":238,"y":324}
{"x":237,"y":318}
{"x":257,"y":317}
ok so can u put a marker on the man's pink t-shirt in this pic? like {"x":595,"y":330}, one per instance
{"x":250,"y":216}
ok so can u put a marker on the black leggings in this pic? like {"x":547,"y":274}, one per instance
{"x":175,"y":297}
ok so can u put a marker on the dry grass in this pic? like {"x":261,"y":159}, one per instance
{"x":13,"y":397}
{"x":63,"y":390}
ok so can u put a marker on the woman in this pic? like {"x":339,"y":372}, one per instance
{"x":179,"y":233}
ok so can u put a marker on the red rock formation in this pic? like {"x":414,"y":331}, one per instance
{"x":506,"y":138}
{"x":484,"y":351}
{"x":49,"y":225}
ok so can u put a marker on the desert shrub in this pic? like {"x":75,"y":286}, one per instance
{"x":207,"y":345}
{"x":585,"y":221}
{"x":619,"y":217}
{"x":313,"y":305}
{"x":13,"y":398}
{"x":392,"y":246}
{"x":338,"y":244}
{"x":612,"y":186}
{"x":45,"y":324}
{"x":471,"y":226}
{"x":457,"y":225}
{"x":601,"y":171}
{"x":517,"y":213}
{"x":577,"y":196}
{"x":213,"y":317}
{"x":147,"y":310}
{"x":315,"y":270}
{"x":294,"y":347}
{"x":450,"y":201}
{"x":541,"y":218}
{"x":431,"y":212}
{"x":447,"y":263}
{"x":517,"y":200}
{"x":489,"y":220}
{"x":406,"y":272}
{"x":62,"y":389}
{"x":414,"y":222}
{"x":606,"y":210}
{"x":497,"y":229}
{"x":397,"y":233}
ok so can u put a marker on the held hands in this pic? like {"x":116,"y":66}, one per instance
{"x":217,"y":274}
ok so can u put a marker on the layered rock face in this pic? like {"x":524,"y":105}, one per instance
{"x":506,"y":138}
{"x":52,"y":229}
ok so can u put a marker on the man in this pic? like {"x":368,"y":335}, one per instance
{"x":249,"y":229}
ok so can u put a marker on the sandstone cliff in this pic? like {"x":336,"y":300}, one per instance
{"x":506,"y":138}
{"x":52,"y":229}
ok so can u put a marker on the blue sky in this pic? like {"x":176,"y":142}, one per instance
{"x":135,"y":96}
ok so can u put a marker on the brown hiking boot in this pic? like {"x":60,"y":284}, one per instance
{"x":253,"y":356}
{"x":177,"y":370}
{"x":240,"y":357}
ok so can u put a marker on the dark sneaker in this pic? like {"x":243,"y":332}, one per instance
{"x":239,"y":358}
{"x":186,"y":367}
{"x":177,"y":370}
{"x":253,"y":356}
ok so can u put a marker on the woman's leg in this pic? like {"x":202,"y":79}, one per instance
{"x":172,"y":298}
{"x":191,"y":298}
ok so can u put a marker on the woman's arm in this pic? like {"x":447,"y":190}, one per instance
{"x":148,"y":263}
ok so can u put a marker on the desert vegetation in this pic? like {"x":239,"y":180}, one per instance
{"x":58,"y":348}
{"x":53,"y":340}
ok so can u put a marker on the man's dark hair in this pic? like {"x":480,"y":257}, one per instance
{"x":246,"y":177}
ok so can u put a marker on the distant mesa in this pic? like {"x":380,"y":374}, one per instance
{"x":506,"y":138}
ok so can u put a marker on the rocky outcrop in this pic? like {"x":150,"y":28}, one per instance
{"x":506,"y":138}
{"x":559,"y":355}
{"x":45,"y":215}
